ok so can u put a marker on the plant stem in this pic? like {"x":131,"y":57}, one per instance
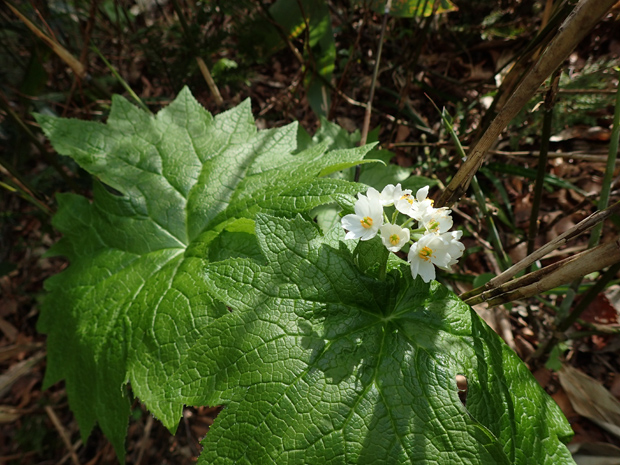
{"x":373,"y":84}
{"x":542,"y":161}
{"x":126,"y":86}
{"x":493,"y":234}
{"x":609,"y":169}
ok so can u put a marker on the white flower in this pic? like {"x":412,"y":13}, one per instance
{"x":436,"y":220}
{"x":394,"y":237}
{"x":454,"y":246}
{"x":441,"y":250}
{"x":391,"y":194}
{"x":423,"y":206}
{"x":366,"y":221}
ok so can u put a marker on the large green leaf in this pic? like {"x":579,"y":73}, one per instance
{"x":131,"y":303}
{"x":318,"y":363}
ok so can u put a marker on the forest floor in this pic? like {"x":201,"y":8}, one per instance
{"x":455,"y":60}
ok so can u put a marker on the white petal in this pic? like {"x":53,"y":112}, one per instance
{"x":426,"y":271}
{"x":387,"y":195}
{"x":362,"y":207}
{"x":373,"y":194}
{"x":352,"y":224}
{"x":437,"y":220}
{"x":422,"y":193}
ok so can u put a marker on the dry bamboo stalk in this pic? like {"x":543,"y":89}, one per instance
{"x":553,"y":276}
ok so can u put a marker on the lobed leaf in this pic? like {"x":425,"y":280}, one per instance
{"x":174,"y":191}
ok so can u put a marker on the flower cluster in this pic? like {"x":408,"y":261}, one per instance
{"x":433,"y":243}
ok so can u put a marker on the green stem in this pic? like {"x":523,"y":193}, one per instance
{"x":121,"y":80}
{"x":406,"y":223}
{"x":395,"y":216}
{"x":609,"y":170}
{"x":542,"y":162}
{"x":498,"y":248}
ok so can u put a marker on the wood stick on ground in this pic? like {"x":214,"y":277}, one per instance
{"x":204,"y":70}
{"x":63,"y":433}
{"x":578,"y":24}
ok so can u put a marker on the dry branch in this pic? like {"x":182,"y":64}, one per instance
{"x":581,"y":227}
{"x":552,"y":276}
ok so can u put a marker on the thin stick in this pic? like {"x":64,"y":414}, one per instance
{"x":210,"y":82}
{"x":366,"y":126}
{"x":121,"y":80}
{"x":63,"y":434}
{"x":204,"y":70}
{"x":145,"y":439}
{"x":58,"y":49}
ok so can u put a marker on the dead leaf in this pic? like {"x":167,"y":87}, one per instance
{"x":595,"y":453}
{"x":590,"y":399}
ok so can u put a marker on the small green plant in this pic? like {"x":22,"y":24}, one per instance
{"x":199,"y":277}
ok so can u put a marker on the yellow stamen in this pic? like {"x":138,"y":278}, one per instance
{"x":394,"y":239}
{"x":425,"y":253}
{"x":408,"y":198}
{"x":433,"y":224}
{"x":366,"y":222}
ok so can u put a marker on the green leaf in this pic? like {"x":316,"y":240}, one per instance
{"x":409,"y":8}
{"x":131,"y":304}
{"x":318,"y":363}
{"x":550,"y":179}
